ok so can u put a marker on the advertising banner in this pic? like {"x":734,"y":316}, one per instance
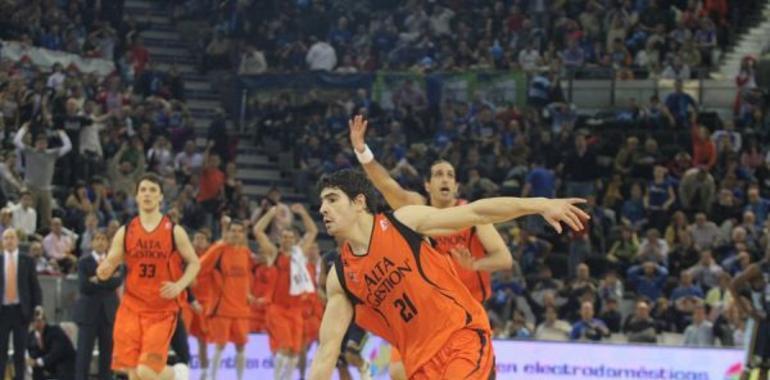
{"x":520,"y":360}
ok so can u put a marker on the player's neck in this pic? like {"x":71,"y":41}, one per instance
{"x":442,"y":203}
{"x":150,"y":218}
{"x":360,"y":234}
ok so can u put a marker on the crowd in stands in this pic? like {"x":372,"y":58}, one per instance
{"x":678,"y":196}
{"x":636,"y":39}
{"x":74,"y":144}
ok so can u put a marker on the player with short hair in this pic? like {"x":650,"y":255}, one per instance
{"x":148,"y":311}
{"x":400,"y":288}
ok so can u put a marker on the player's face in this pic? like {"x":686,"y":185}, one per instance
{"x":200,"y":242}
{"x":237,"y":233}
{"x":288,"y":239}
{"x":148,"y":196}
{"x":442,"y":185}
{"x":339,"y":211}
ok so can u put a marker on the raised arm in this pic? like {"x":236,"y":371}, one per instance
{"x":265,"y":245}
{"x":114,"y":256}
{"x":311,"y":230}
{"x":171,"y":290}
{"x":432,"y":221}
{"x":337,"y":317}
{"x":66,"y":143}
{"x":18,"y":140}
{"x":394,"y":194}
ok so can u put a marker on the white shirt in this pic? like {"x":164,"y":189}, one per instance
{"x":24,"y":219}
{"x":89,"y":139}
{"x":97,"y":257}
{"x":529,"y":59}
{"x":321,"y":56}
{"x":15,"y":257}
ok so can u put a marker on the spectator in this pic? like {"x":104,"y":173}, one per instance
{"x":252,"y":62}
{"x":188,"y":161}
{"x":42,"y":265}
{"x":580,"y":169}
{"x":51,"y":353}
{"x":696,"y":190}
{"x":39,"y":167}
{"x":611,"y":315}
{"x":60,"y":246}
{"x":653,"y":248}
{"x":588,"y":328}
{"x":719,"y":297}
{"x":640,"y":327}
{"x":217,"y":53}
{"x":681,"y":105}
{"x":125,"y":172}
{"x":706,"y":272}
{"x":24,"y":216}
{"x":212,"y":187}
{"x":632,"y":212}
{"x":648,"y":279}
{"x":687,"y":295}
{"x":552,"y":327}
{"x":321,"y":56}
{"x":704,"y":150}
{"x":701,"y":331}
{"x":760,"y":206}
{"x":518,"y":328}
{"x":11,"y":182}
{"x":610,"y":287}
{"x":659,"y":198}
{"x":705,"y":234}
{"x":624,"y":250}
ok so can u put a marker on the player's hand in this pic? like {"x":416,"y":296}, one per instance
{"x":196,"y":307}
{"x":251,"y":299}
{"x":170,"y":290}
{"x":556,"y":211}
{"x":463,"y":256}
{"x":297,"y":208}
{"x":357,"y":132}
{"x":104,"y":270}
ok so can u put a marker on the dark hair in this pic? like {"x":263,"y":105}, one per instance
{"x":352,"y":182}
{"x":434,"y":163}
{"x":150,"y":177}
{"x":236,"y":222}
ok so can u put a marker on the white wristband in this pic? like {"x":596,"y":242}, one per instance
{"x":366,"y":156}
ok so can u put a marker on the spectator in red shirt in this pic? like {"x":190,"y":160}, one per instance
{"x":704,"y":151}
{"x":211,"y":189}
{"x":140,"y":56}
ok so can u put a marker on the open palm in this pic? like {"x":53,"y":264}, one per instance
{"x":565,"y":211}
{"x":357,"y":132}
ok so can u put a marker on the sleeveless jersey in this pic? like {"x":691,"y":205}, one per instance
{"x":407,"y":292}
{"x":201,"y":288}
{"x":281,"y":295}
{"x":150,"y":261}
{"x":478,"y":282}
{"x":232,"y":281}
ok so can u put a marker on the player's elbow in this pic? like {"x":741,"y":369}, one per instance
{"x":504,"y":260}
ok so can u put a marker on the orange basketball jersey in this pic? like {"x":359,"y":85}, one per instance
{"x":230,"y":267}
{"x":478,"y":282}
{"x":148,"y":260}
{"x":280,"y":295}
{"x":407,"y":292}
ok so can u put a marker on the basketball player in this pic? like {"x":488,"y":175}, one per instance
{"x":201,"y":288}
{"x":148,"y":311}
{"x":403,"y":290}
{"x":229,"y":262}
{"x":757,"y":278}
{"x":292,"y":282}
{"x":484,"y":250}
{"x":262,"y":289}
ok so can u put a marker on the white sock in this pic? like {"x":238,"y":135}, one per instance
{"x":278,"y":364}
{"x":215,"y":364}
{"x":240,"y":364}
{"x":289,"y":372}
{"x":181,"y":371}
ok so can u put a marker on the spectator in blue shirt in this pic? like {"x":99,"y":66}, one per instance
{"x":758,"y":205}
{"x":588,"y":327}
{"x":659,"y":199}
{"x":686,"y":297}
{"x":648,"y":279}
{"x":679,"y":103}
{"x":632,"y":212}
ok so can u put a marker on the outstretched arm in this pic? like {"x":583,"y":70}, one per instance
{"x":394,"y":194}
{"x":337,"y":317}
{"x":432,"y":221}
{"x":265,"y":245}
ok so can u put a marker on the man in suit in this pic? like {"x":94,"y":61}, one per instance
{"x":51,"y":354}
{"x":21,"y":295}
{"x":95,"y":310}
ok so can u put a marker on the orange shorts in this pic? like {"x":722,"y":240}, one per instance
{"x":142,"y":339}
{"x":467,"y":355}
{"x":258,"y":318}
{"x":199,"y":326}
{"x":311,"y":327}
{"x":284,"y":328}
{"x":223,"y":330}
